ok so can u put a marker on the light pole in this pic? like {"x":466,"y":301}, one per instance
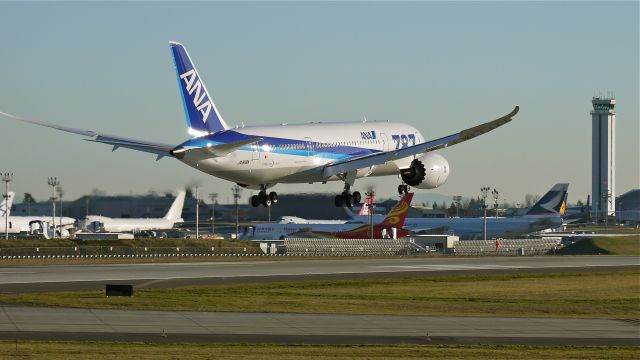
{"x":236,"y":190}
{"x":370,"y":194}
{"x":496,"y":196}
{"x":7,"y":178}
{"x":53,"y":182}
{"x":60,"y":193}
{"x":197,"y":216}
{"x":484,"y":191}
{"x":456,"y":200}
{"x":213,"y":197}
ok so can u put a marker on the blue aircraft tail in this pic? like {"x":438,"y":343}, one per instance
{"x":553,"y":202}
{"x":202,"y":115}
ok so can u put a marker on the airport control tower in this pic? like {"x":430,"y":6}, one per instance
{"x":603,"y":156}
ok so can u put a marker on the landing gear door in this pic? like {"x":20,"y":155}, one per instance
{"x":255,"y":152}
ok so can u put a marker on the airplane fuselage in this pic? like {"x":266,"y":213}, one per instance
{"x":21,"y":224}
{"x":465,"y":228}
{"x":108,"y":224}
{"x":473,"y":228}
{"x":297,"y":153}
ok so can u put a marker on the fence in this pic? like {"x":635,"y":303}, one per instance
{"x":108,"y":252}
{"x":346,"y":247}
{"x":506,"y":247}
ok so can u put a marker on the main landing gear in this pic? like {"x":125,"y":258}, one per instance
{"x":348,"y":199}
{"x":403,"y":189}
{"x":264,"y":199}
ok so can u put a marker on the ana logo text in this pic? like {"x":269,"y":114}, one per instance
{"x":193,"y":84}
{"x":368,"y":135}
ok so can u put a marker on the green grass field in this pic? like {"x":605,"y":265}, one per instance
{"x":615,"y":245}
{"x":588,"y":295}
{"x":143,"y":351}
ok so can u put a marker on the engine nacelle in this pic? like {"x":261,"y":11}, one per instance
{"x":427,"y":171}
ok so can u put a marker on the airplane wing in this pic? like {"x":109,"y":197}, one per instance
{"x":116,"y":141}
{"x":352,"y":164}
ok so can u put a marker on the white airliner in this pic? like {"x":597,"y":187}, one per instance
{"x":106,"y":224}
{"x":23,"y":224}
{"x":259,"y":157}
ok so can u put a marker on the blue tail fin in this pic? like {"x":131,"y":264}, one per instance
{"x":202,"y":115}
{"x":553,"y":202}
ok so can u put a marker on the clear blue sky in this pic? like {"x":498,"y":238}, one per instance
{"x":442,"y":67}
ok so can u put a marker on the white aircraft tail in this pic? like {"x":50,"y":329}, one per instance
{"x":175,"y":211}
{"x":5,"y":206}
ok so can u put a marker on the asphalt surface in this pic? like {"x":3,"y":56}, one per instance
{"x":92,"y":277}
{"x":17,"y":322}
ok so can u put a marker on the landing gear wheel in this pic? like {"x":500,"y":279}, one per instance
{"x":357,"y":197}
{"x":266,"y":201}
{"x":347,"y":199}
{"x":274,"y":197}
{"x":338,"y":201}
{"x":403,"y":189}
{"x":406,"y":189}
{"x":255,"y":201}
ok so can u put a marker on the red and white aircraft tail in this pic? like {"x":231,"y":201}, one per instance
{"x":365,"y":210}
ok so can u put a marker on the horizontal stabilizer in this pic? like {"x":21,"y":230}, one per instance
{"x":213,"y":150}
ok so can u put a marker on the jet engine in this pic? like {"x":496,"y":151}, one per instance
{"x":427,"y":171}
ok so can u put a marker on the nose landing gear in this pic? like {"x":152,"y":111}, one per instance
{"x":403,"y":189}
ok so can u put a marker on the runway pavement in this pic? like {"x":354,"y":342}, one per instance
{"x":91,"y":277}
{"x":17,"y":322}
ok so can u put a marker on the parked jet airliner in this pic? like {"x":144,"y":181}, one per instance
{"x":545,"y":214}
{"x":23,"y":224}
{"x":260,"y":157}
{"x":102,"y":223}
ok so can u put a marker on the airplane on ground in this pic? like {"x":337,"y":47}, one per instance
{"x":259,"y":157}
{"x":364,"y":211}
{"x":95,"y":223}
{"x":546,"y":214}
{"x":395,"y":219}
{"x":24,"y":224}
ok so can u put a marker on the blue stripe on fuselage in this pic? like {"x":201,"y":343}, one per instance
{"x":281,"y":145}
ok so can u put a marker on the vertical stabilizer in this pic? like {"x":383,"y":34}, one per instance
{"x":175,"y":211}
{"x":202,"y":115}
{"x":396,"y":217}
{"x":366,"y":207}
{"x":552,"y":203}
{"x":5,"y":206}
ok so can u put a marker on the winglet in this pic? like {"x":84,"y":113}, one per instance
{"x":475,"y":131}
